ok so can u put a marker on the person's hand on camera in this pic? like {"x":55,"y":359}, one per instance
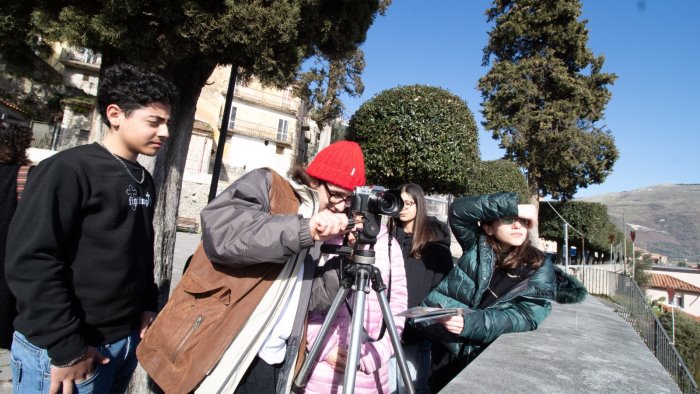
{"x":359,"y":222}
{"x":453,"y":324}
{"x":326,"y":224}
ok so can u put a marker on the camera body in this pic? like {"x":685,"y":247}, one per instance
{"x":369,"y":203}
{"x":376,"y":200}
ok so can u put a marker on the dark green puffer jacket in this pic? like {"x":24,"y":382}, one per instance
{"x":523,"y":308}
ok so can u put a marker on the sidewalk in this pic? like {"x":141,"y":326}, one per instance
{"x":185,"y":244}
{"x":580,"y":348}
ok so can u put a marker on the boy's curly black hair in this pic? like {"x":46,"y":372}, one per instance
{"x":14,"y":141}
{"x":131,"y":88}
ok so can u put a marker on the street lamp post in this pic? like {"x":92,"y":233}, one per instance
{"x":624,"y":245}
{"x":633,"y":234}
{"x":611,"y":238}
{"x":566,"y":246}
{"x":218,"y":159}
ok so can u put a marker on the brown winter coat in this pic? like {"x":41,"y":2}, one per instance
{"x":207,"y":309}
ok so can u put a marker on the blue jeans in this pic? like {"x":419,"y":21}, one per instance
{"x":418,"y":360}
{"x":31,"y":368}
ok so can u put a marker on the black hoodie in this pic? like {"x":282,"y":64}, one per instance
{"x":425,"y":273}
{"x":80,"y":255}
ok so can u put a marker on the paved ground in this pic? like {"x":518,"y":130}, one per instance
{"x":580,"y":348}
{"x":185,"y":244}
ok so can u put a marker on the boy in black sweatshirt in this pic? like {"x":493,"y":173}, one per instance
{"x":80,"y":247}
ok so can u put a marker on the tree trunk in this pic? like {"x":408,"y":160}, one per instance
{"x":189,"y":76}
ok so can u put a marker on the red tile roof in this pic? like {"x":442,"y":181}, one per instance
{"x":663,"y":281}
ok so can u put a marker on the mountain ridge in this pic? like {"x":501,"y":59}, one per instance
{"x":665,"y":217}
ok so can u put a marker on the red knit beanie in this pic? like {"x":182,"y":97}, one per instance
{"x":340,"y":163}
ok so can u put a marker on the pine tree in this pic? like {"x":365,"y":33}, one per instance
{"x":545,"y":94}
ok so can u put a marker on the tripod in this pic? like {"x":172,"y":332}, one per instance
{"x":357,"y":278}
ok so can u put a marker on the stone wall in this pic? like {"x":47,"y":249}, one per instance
{"x":194,"y":198}
{"x":195,"y":193}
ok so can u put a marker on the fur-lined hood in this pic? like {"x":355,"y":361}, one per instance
{"x":569,"y":289}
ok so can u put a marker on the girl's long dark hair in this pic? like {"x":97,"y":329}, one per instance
{"x":423,"y":232}
{"x":525,"y":254}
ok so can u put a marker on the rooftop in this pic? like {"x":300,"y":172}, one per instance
{"x":662,"y":281}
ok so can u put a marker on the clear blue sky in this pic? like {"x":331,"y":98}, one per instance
{"x":652,"y":45}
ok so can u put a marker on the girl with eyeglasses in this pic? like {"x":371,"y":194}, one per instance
{"x":425,"y":243}
{"x":504,"y":283}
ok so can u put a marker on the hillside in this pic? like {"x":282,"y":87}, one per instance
{"x":666,"y":218}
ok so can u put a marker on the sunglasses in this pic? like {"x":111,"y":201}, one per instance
{"x":509,"y":221}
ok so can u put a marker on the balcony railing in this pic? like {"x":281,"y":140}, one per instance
{"x":634,"y":308}
{"x":270,"y":100}
{"x":81,"y":57}
{"x":260,"y":131}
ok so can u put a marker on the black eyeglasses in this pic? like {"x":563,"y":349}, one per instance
{"x":334,"y":197}
{"x":523,"y":222}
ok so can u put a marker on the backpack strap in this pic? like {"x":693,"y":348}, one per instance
{"x":22,"y":175}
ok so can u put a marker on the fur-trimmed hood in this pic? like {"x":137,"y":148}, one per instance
{"x":569,"y":289}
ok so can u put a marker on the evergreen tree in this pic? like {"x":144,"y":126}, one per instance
{"x":419,"y":134}
{"x":496,"y":176}
{"x":590,"y":218}
{"x":184,"y":40}
{"x":545,"y":94}
{"x":323,"y":83}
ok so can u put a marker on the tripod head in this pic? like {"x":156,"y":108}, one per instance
{"x":364,"y":235}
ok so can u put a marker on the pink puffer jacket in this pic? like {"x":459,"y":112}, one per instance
{"x":373,"y":376}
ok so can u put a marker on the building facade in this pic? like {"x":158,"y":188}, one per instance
{"x":264,"y":126}
{"x":679,"y":286}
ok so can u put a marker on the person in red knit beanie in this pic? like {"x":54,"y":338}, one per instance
{"x":244,"y":227}
{"x":341,"y":163}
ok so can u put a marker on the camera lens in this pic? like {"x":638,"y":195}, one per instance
{"x":387,"y":202}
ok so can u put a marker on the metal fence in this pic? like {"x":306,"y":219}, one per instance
{"x":57,"y":138}
{"x":635,"y":309}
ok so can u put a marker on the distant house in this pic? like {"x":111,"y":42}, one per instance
{"x":80,"y":67}
{"x":266,"y":127}
{"x":677,"y":292}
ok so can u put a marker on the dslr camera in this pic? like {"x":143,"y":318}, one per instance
{"x":376,"y":200}
{"x":370,"y":203}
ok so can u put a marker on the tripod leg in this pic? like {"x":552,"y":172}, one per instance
{"x":395,"y":341}
{"x":301,"y":379}
{"x":361,"y":279}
